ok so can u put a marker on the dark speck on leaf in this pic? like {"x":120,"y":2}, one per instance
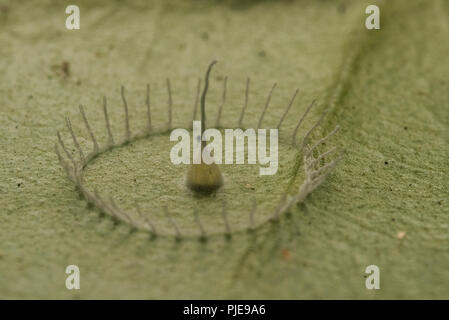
{"x":62,"y":69}
{"x":405,"y":128}
{"x":386,"y":162}
{"x":19,"y":184}
{"x":4,"y":10}
{"x":205,"y":36}
{"x":65,"y":67}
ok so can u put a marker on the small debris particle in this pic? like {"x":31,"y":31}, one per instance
{"x":405,"y":128}
{"x":62,"y":69}
{"x":286,"y":254}
{"x":19,"y":184}
{"x":248,"y":186}
{"x":400,"y":235}
{"x":386,"y":162}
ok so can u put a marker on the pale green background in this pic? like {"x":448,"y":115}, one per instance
{"x":387,"y":89}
